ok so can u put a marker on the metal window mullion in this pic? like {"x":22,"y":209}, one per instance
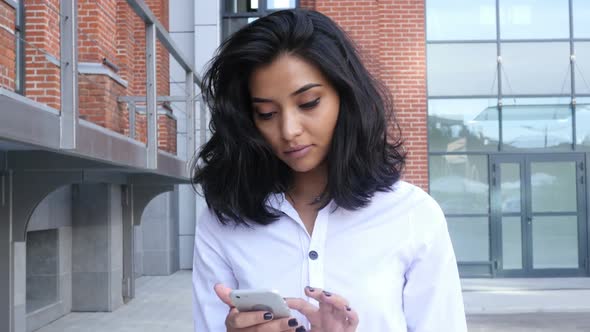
{"x":151,"y":89}
{"x":572,"y":74}
{"x":190,"y":114}
{"x":68,"y":74}
{"x":499,"y":69}
{"x":203,"y":120}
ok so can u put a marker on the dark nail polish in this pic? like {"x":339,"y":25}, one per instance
{"x":309,"y":288}
{"x":348,"y":308}
{"x":293,"y":322}
{"x":268,"y":316}
{"x":327,"y":293}
{"x":300,"y":329}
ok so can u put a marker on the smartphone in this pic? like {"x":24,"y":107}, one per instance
{"x":260,"y":300}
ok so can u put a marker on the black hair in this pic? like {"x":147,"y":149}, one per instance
{"x":236,"y":168}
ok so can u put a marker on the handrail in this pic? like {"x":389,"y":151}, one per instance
{"x":143,"y":11}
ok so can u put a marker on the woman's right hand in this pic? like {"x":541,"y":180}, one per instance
{"x":255,"y":321}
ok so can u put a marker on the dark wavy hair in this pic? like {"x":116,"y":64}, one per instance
{"x":237,"y":169}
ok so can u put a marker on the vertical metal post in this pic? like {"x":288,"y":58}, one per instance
{"x":128,"y":244}
{"x":151,"y":92}
{"x":132,"y":119}
{"x":69,"y":74}
{"x":203,"y":120}
{"x":6,"y":255}
{"x":190,"y":115}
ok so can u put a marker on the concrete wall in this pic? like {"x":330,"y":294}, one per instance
{"x":195,"y":27}
{"x":48,"y":276}
{"x":159,"y":236}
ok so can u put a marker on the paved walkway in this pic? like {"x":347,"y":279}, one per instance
{"x":163,"y":304}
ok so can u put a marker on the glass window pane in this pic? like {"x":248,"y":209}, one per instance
{"x":555,"y":242}
{"x":471,"y":238}
{"x":536,"y":68}
{"x":534,"y":19}
{"x":583,"y":121}
{"x":280,"y":4}
{"x":240,"y":6}
{"x":581,"y":13}
{"x":549,"y":178}
{"x":582,"y":69}
{"x":459,"y":183}
{"x":462,"y":69}
{"x":461,"y":19}
{"x":511,"y":243}
{"x":42,"y":269}
{"x":510,"y":187}
{"x":537,"y":124}
{"x":463,"y":125}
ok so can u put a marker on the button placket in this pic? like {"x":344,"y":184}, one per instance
{"x":316,"y":251}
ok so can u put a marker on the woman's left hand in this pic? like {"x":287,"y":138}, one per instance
{"x":333,"y":315}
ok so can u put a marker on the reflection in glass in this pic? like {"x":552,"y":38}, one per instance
{"x":240,"y":6}
{"x":461,"y":19}
{"x":471,"y":238}
{"x":510,"y":187}
{"x":553,"y":186}
{"x":511,"y":243}
{"x":531,"y":124}
{"x":462,"y":69}
{"x":536,"y":68}
{"x":534,"y":19}
{"x":231,"y":25}
{"x":582,"y":69}
{"x":581,"y":13}
{"x":459,"y":183}
{"x":555,"y":242}
{"x":42,"y":269}
{"x":280,"y":4}
{"x":458,"y":125}
{"x":583,"y":122}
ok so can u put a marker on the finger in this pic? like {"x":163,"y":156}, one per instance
{"x":304,"y":307}
{"x":223,"y":293}
{"x":284,"y":324}
{"x":239,"y":320}
{"x":321,"y":295}
{"x":353,"y":319}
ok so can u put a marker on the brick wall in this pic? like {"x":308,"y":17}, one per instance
{"x":42,"y":77}
{"x":7,"y":46}
{"x":391,"y":35}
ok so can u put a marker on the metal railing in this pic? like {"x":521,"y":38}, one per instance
{"x":69,"y":80}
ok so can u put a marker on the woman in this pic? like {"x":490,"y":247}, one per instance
{"x":304,"y":192}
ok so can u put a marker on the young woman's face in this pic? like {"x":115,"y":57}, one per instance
{"x":295,"y":109}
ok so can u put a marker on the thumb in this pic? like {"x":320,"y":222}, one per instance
{"x":223,"y":293}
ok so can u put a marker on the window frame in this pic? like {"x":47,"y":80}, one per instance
{"x":261,"y":12}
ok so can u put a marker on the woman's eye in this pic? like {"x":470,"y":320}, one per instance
{"x":311,"y":104}
{"x":265,"y":116}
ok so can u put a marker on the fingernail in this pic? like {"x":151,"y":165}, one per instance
{"x":268,"y":316}
{"x":327,"y":293}
{"x":348,"y":308}
{"x":293,"y":322}
{"x":309,"y":288}
{"x":300,"y":329}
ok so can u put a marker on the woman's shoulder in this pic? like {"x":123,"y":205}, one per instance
{"x":406,"y":199}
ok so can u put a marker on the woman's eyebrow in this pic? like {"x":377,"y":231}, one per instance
{"x":299,"y":91}
{"x":305,"y":88}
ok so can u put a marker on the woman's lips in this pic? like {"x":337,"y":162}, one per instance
{"x":298,"y":152}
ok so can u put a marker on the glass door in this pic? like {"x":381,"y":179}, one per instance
{"x":538,"y":215}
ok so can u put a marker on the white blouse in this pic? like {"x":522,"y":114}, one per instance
{"x":392,"y":260}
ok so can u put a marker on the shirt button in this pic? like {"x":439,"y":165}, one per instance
{"x":313,"y":254}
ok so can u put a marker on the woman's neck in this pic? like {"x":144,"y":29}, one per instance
{"x":309,"y":185}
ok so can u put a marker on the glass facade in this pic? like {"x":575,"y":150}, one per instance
{"x":509,"y":78}
{"x":239,"y":13}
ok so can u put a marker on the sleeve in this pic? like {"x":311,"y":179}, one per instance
{"x":209,"y":267}
{"x":432,"y":298}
